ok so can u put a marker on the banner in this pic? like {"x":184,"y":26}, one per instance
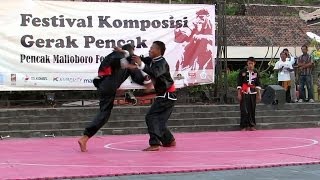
{"x":58,"y":45}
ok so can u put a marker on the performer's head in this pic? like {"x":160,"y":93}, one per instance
{"x":251,"y":62}
{"x":283,"y":56}
{"x":129,"y":48}
{"x":157,"y":49}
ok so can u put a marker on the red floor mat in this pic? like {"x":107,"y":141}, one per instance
{"x":122,"y":155}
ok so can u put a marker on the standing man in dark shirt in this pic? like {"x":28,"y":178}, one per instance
{"x":248,"y":94}
{"x":157,"y":117}
{"x":305,"y":65}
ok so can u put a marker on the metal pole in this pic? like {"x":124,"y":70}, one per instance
{"x":225,"y":51}
{"x":222,"y":52}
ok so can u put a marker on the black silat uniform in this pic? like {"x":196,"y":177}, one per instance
{"x":161,"y":109}
{"x":248,"y":82}
{"x":111,"y":76}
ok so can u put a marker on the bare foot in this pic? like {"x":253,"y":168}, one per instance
{"x":152,"y":148}
{"x":253,"y":129}
{"x":172,"y":144}
{"x":243,"y":129}
{"x":83,"y":143}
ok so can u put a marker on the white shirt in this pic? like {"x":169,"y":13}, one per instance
{"x":283,"y":75}
{"x":291,"y":60}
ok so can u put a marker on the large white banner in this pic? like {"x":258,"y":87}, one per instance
{"x":58,"y":45}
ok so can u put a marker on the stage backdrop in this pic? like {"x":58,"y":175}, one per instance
{"x":49,"y":45}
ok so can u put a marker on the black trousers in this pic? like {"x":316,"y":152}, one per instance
{"x":248,"y":110}
{"x":157,"y":119}
{"x":107,"y":93}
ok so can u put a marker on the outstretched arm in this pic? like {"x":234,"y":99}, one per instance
{"x":156,"y":71}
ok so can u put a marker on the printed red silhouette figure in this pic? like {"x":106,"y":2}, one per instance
{"x":199,"y":38}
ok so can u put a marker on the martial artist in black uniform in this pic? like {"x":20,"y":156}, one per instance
{"x":248,"y":94}
{"x":157,"y":117}
{"x":110,"y":77}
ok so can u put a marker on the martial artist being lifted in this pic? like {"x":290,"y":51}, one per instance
{"x":111,"y":75}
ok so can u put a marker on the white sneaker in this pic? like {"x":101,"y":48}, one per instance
{"x":300,"y":101}
{"x":311,"y":100}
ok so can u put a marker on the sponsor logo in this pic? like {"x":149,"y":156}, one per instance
{"x":203,"y":75}
{"x":178,"y":77}
{"x":1,"y":79}
{"x":26,"y":78}
{"x":88,"y":81}
{"x":39,"y":78}
{"x":67,"y":79}
{"x":192,"y":75}
{"x":35,"y":78}
{"x":13,"y":79}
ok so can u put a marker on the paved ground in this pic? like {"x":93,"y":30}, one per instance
{"x":307,"y":172}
